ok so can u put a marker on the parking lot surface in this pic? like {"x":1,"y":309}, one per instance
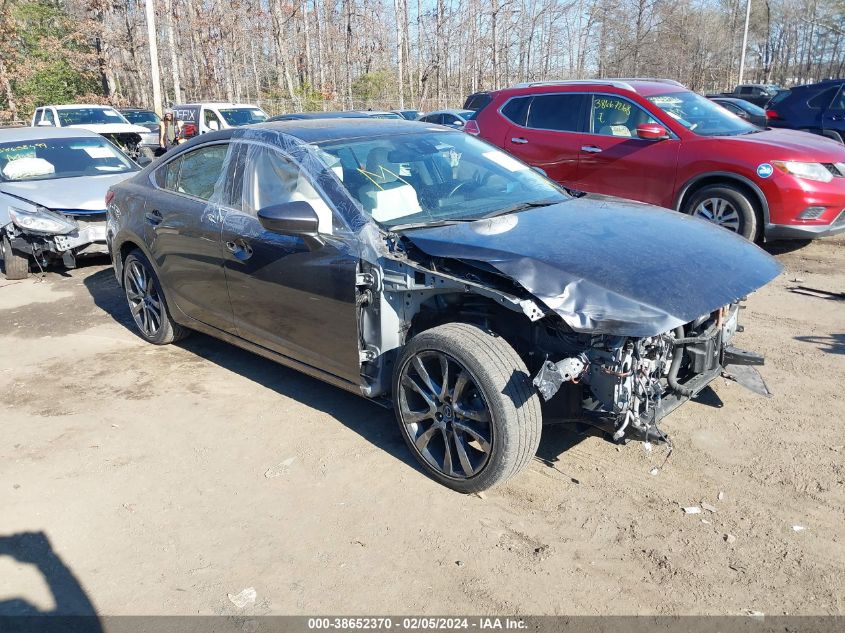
{"x":167,"y":478}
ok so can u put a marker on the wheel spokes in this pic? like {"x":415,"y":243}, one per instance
{"x":449,"y":426}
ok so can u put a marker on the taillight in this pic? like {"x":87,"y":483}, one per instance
{"x":109,"y":197}
{"x":471,"y":127}
{"x":772,"y":114}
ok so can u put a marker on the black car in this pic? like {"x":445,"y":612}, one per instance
{"x":817,"y":108}
{"x":308,"y":116}
{"x":743,"y":109}
{"x":432,"y":272}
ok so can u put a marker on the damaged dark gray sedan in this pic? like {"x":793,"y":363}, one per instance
{"x":434,"y":273}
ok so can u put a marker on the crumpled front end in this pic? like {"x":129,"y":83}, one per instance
{"x":47,"y":235}
{"x":626,"y":385}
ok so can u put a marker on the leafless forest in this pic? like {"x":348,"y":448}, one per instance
{"x":315,"y":54}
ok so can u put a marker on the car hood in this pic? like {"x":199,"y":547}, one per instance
{"x":86,"y":193}
{"x":794,"y":145}
{"x":610,"y":267}
{"x":112,"y":128}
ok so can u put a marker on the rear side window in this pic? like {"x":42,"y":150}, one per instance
{"x":477,"y":101}
{"x":560,"y":112}
{"x":516,"y":110}
{"x":822,"y":99}
{"x":839,"y":102}
{"x":196,"y":173}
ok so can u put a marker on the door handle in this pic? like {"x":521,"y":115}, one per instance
{"x":592,"y":149}
{"x":153,"y":217}
{"x":240,"y":249}
{"x":519,"y":140}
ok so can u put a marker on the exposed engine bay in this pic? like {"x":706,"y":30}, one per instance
{"x":626,"y":385}
{"x":623,"y":385}
{"x":129,"y":142}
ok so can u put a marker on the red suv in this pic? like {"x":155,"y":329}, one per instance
{"x":657,"y":142}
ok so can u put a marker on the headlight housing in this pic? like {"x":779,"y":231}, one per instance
{"x":41,"y":221}
{"x":808,"y":171}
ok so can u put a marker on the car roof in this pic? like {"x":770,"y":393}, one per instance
{"x":305,"y":116}
{"x":68,"y":106}
{"x":645,"y":87}
{"x":214,"y":104}
{"x":455,"y":111}
{"x":16,"y":134}
{"x":134,"y":109}
{"x":320,"y":130}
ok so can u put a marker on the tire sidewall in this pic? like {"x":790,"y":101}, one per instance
{"x":502,"y":433}
{"x":739,"y":200}
{"x":15,"y":266}
{"x":165,"y":332}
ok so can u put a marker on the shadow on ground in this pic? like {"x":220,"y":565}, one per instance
{"x":833,"y":344}
{"x":73,"y":612}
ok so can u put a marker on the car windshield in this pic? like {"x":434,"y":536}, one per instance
{"x":243,"y":116}
{"x":88,"y":116}
{"x":46,"y":159}
{"x":142,"y":117}
{"x":700,"y":115}
{"x":431,"y":178}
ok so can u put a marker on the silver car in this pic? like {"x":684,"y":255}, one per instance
{"x":53,"y":185}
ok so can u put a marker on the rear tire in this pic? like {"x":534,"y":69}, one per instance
{"x":481,"y":425}
{"x":146,"y":302}
{"x":727,"y":206}
{"x":15,"y":264}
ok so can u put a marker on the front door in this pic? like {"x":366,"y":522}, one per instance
{"x":183,"y":224}
{"x":292,"y":296}
{"x":546,"y":133}
{"x":615,"y":162}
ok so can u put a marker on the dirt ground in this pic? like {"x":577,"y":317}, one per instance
{"x":166,"y":478}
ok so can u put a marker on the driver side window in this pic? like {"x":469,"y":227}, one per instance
{"x":614,"y":116}
{"x":211,"y":120}
{"x":271,"y":178}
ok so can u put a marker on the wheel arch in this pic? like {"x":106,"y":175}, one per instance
{"x":725,"y":177}
{"x":122,"y":248}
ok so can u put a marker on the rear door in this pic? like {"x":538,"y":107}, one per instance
{"x":614,"y":161}
{"x":833,"y":119}
{"x":546,"y":131}
{"x":183,"y":218}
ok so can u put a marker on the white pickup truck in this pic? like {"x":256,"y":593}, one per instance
{"x":103,"y":120}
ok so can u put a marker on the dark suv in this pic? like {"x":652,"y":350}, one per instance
{"x":817,"y":108}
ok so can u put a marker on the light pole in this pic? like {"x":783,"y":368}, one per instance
{"x":151,"y":37}
{"x":744,"y":40}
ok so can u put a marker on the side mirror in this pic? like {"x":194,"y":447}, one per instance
{"x":44,"y":123}
{"x":290,"y":218}
{"x":652,"y":132}
{"x":458,"y":124}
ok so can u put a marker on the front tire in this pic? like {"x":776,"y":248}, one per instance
{"x":146,"y":302}
{"x":727,"y":206}
{"x":465,"y":406}
{"x":15,"y":264}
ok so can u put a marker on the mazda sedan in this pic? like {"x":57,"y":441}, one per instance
{"x":431,"y":272}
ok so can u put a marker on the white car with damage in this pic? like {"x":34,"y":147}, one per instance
{"x":53,"y":185}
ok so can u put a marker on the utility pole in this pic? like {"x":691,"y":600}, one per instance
{"x":151,"y":37}
{"x":744,"y":40}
